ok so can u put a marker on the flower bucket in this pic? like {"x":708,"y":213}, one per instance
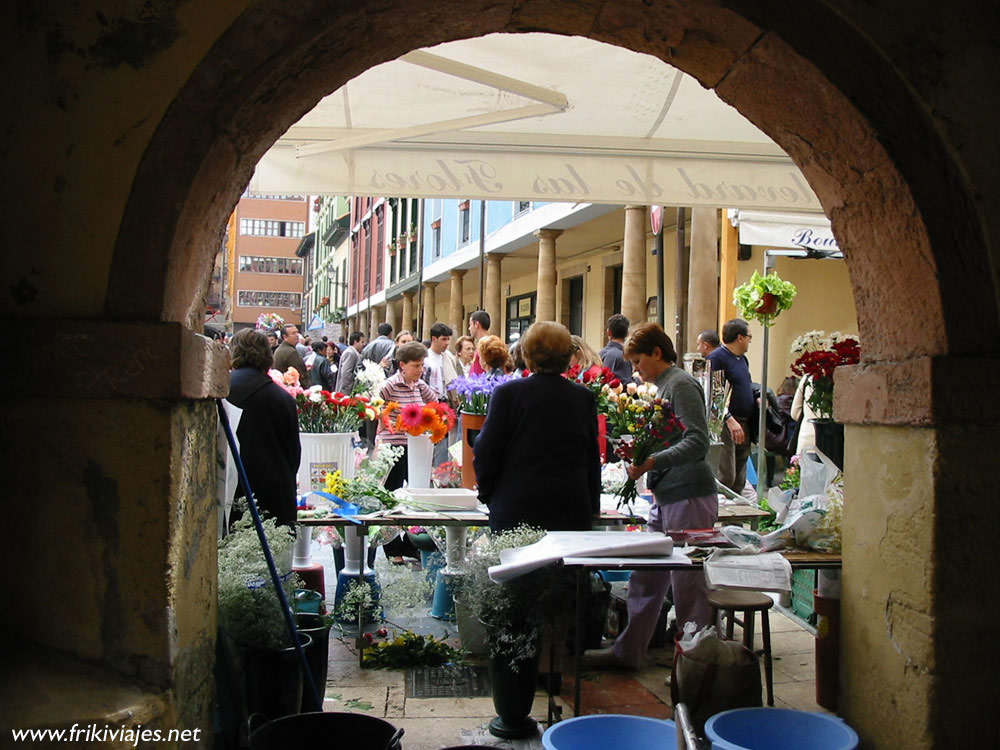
{"x":419,"y":455}
{"x":323,"y":453}
{"x":471,"y":425}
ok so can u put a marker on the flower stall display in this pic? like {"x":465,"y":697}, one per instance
{"x":447,"y":476}
{"x":762,"y":298}
{"x":267,"y":322}
{"x":644,"y":424}
{"x":365,"y":488}
{"x":369,"y":379}
{"x":474,"y":391}
{"x":424,"y":425}
{"x":819,"y":354}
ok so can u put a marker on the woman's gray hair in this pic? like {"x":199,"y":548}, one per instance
{"x":250,"y":349}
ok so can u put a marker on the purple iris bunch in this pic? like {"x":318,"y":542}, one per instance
{"x":474,"y":391}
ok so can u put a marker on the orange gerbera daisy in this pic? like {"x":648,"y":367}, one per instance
{"x":428,"y":418}
{"x":387,"y":413}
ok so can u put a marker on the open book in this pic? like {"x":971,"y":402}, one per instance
{"x":764,"y":572}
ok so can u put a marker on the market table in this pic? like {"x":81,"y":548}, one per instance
{"x":797,"y":558}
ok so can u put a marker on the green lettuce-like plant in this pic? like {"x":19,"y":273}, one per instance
{"x":763,"y":298}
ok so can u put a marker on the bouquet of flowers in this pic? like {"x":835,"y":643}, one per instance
{"x":365,"y":489}
{"x":646,"y":425}
{"x":474,"y":391}
{"x":269,"y":322}
{"x":819,"y":355}
{"x":433,"y":418}
{"x":601,"y":381}
{"x":369,"y":379}
{"x":322,"y":411}
{"x":447,"y":475}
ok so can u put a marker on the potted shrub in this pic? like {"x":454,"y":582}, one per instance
{"x":251,"y":621}
{"x":513,"y":615}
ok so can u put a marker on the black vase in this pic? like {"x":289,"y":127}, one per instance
{"x":830,"y":439}
{"x":317,"y":656}
{"x":513,"y":694}
{"x":272,"y":679}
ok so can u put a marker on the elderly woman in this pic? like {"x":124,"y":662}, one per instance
{"x":536,"y":457}
{"x":268,"y":429}
{"x":683,"y":487}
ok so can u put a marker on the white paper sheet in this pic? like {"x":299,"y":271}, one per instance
{"x":559,"y":544}
{"x":764,"y":572}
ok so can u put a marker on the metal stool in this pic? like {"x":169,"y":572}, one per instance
{"x":728,"y":602}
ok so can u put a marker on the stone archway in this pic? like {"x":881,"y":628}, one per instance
{"x":883,"y":173}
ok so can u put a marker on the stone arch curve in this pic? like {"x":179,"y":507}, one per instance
{"x":917,"y":251}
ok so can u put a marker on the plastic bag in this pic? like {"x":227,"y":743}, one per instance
{"x":712,"y":675}
{"x":813,"y":519}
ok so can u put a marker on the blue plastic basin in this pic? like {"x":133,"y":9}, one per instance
{"x":778,"y":729}
{"x":604,"y":731}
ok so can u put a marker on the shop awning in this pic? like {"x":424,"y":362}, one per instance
{"x":784,"y":230}
{"x":533,"y":117}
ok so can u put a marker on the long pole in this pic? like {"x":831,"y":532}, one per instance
{"x":680,"y":284}
{"x":762,"y":407}
{"x":482,"y":252}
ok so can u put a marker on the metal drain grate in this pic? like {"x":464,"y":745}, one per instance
{"x":447,"y":682}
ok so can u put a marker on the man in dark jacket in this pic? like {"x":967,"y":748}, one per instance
{"x":286,"y":355}
{"x":322,"y":373}
{"x":268,"y":429}
{"x":612,"y":355}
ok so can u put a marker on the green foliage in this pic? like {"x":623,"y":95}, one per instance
{"x":249,"y":608}
{"x":410,"y":650}
{"x":762,"y":298}
{"x":513,"y":612}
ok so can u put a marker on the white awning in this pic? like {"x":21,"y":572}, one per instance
{"x":779,"y":230}
{"x":533,"y":117}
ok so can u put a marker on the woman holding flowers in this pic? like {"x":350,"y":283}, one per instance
{"x":536,"y":457}
{"x":683,"y":487}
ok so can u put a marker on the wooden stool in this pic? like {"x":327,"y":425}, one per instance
{"x":728,"y":602}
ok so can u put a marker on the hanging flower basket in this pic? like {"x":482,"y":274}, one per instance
{"x":763,"y":298}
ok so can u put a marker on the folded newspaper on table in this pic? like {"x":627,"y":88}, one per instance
{"x":764,"y":572}
{"x":556,"y":545}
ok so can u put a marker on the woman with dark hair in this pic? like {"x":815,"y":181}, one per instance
{"x":268,"y":429}
{"x":536,"y":457}
{"x":322,"y":373}
{"x":683,"y":488}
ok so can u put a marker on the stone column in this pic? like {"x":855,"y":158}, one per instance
{"x":491,"y":298}
{"x":374,"y":318}
{"x":429,"y":304}
{"x":390,"y":314}
{"x":703,"y":269}
{"x":407,"y":322}
{"x":456,"y":307}
{"x":634,"y":265}
{"x":545,"y":305}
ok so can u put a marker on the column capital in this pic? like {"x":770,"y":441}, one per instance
{"x":409,"y":295}
{"x":430,"y":284}
{"x":635,"y":207}
{"x":458,"y":273}
{"x":550,"y":234}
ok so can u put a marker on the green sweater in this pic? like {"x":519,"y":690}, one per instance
{"x":681,"y":471}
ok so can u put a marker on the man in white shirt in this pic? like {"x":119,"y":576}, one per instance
{"x":439,"y":371}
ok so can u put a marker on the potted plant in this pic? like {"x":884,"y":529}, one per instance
{"x":819,"y":355}
{"x":513,"y":615}
{"x":251,"y":620}
{"x":762,"y":298}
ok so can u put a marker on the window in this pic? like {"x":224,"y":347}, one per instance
{"x":522,"y":206}
{"x":264,"y":264}
{"x":392,"y":267}
{"x":464,"y":223}
{"x":291,"y":300}
{"x":343,"y":287}
{"x":272,"y":228}
{"x":576,"y":305}
{"x":520,"y":315}
{"x":436,"y":237}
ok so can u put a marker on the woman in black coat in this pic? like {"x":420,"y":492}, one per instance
{"x":536,"y":457}
{"x":268,"y":429}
